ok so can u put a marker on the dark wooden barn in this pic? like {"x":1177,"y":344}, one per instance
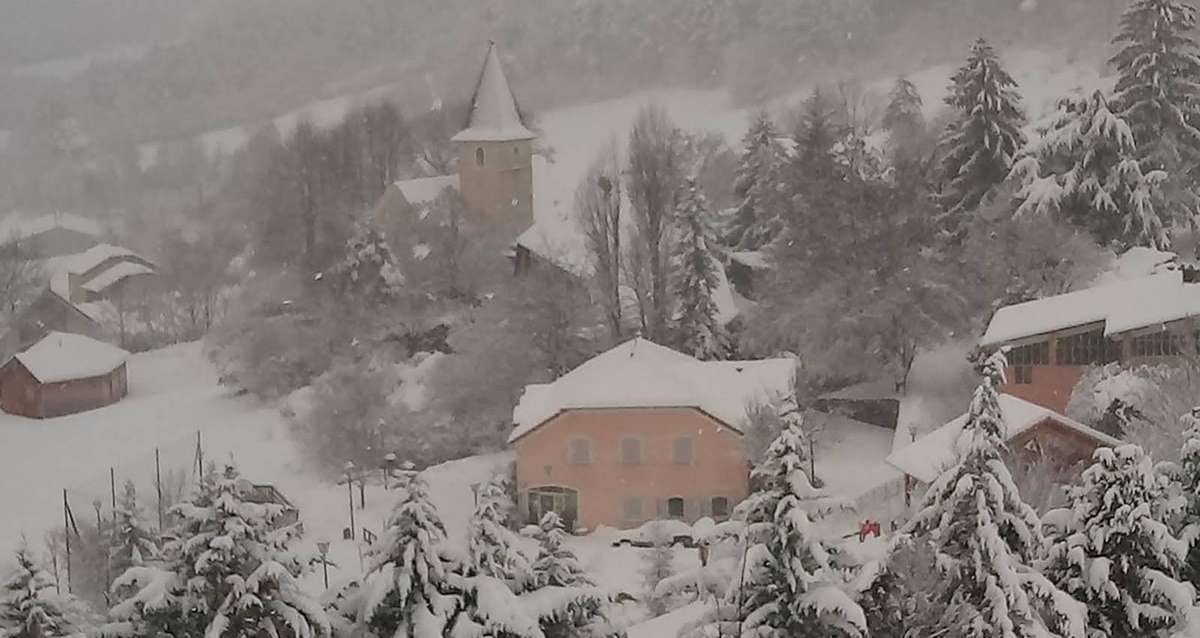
{"x":63,"y":374}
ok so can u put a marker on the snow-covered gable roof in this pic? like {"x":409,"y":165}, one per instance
{"x":1122,"y":306}
{"x":16,"y":226}
{"x":929,"y":455}
{"x":641,"y":374}
{"x":116,"y":273}
{"x":426,"y":189}
{"x":65,"y":356}
{"x":494,"y":115}
{"x":60,"y":268}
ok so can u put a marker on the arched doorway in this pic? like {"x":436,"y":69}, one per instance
{"x":551,"y":498}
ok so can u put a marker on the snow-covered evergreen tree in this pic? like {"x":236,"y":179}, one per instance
{"x":1158,"y":94}
{"x":985,"y":539}
{"x":794,"y":584}
{"x":1085,"y":167}
{"x":757,"y":185}
{"x":1189,"y":478}
{"x":1113,"y":548}
{"x":406,"y":590}
{"x":368,"y":270}
{"x":903,"y":117}
{"x":979,"y":146}
{"x":226,"y":573}
{"x":698,"y":328}
{"x":28,"y":606}
{"x":494,"y":549}
{"x":563,"y":595}
{"x":132,"y":542}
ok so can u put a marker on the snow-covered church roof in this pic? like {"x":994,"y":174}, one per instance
{"x":642,"y":374}
{"x":929,"y":455}
{"x":1121,"y":306}
{"x":65,"y":356}
{"x":422,"y":190}
{"x":494,"y":115}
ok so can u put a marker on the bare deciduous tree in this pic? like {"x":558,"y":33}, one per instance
{"x":655,"y":174}
{"x":598,"y":204}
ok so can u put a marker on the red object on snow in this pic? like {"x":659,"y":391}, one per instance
{"x":868,"y":527}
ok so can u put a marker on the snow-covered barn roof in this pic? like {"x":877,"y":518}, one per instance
{"x":642,"y":374}
{"x":116,"y":273}
{"x":1121,"y":306}
{"x":929,"y":455}
{"x":61,"y":268}
{"x":65,"y":356}
{"x":426,"y":189}
{"x":494,"y":116}
{"x":16,"y":226}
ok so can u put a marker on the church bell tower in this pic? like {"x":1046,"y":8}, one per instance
{"x":495,"y":163}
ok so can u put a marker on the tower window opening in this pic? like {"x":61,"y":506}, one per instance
{"x":479,"y":156}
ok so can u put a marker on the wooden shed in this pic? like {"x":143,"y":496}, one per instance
{"x":64,"y":373}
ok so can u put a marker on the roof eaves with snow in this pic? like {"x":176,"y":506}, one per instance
{"x":118,"y":272}
{"x":931,"y":454}
{"x":494,"y":115}
{"x":1122,"y":306}
{"x":422,"y":190}
{"x":65,"y":356}
{"x":642,"y":374}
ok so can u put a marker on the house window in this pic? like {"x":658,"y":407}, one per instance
{"x":1158,"y":344}
{"x":479,"y":156}
{"x":1022,"y":374}
{"x":516,"y":151}
{"x":681,"y":450}
{"x":1087,"y":348}
{"x":720,"y":507}
{"x":579,"y":451}
{"x":1031,"y":354}
{"x":631,"y":450}
{"x":633,"y":508}
{"x":675,"y":507}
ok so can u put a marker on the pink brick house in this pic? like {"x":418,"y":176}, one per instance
{"x":638,"y":433}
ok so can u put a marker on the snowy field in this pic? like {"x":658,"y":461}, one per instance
{"x":173,"y":395}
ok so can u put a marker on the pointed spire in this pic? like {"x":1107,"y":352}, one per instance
{"x":494,"y":116}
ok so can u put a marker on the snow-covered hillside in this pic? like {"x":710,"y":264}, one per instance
{"x":173,"y":395}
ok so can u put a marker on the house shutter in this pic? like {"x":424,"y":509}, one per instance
{"x":660,"y":508}
{"x":705,"y":510}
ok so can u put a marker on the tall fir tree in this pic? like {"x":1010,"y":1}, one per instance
{"x":985,"y":539}
{"x":757,"y":221}
{"x":794,"y":583}
{"x":1113,"y":548}
{"x":28,"y":606}
{"x":1158,"y":93}
{"x":132,"y":542}
{"x":698,"y":328}
{"x":903,"y":118}
{"x":581,"y":610}
{"x":226,"y":573}
{"x":1085,"y":167}
{"x":494,"y":549}
{"x":979,"y":146}
{"x":406,"y":590}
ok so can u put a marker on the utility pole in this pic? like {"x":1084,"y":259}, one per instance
{"x":67,"y":536}
{"x":158,"y":488}
{"x":350,"y":493}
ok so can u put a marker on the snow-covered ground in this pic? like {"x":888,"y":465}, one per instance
{"x":173,"y":395}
